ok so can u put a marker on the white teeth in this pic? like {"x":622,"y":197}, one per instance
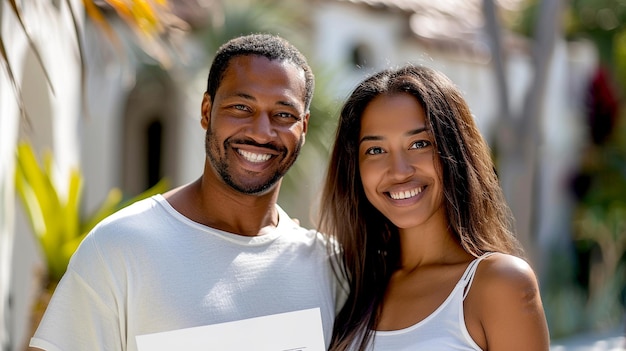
{"x":401,"y":195}
{"x":252,"y":157}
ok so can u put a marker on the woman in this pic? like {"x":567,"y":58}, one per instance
{"x":412,"y":197}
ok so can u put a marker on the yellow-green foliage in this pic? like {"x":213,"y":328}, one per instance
{"x":56,"y":220}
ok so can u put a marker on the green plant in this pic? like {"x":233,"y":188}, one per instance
{"x":56,"y":218}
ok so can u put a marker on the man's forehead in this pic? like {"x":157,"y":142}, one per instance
{"x":253,"y":71}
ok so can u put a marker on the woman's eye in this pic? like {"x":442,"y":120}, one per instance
{"x":374,"y":151}
{"x":420,"y":144}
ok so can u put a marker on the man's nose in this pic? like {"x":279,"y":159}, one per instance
{"x":262,"y":129}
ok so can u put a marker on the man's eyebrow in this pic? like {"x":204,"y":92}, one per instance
{"x":280,"y":102}
{"x":242,"y":95}
{"x":376,"y":137}
{"x":287,"y":104}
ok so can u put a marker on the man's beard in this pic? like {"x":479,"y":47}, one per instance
{"x":221,"y":166}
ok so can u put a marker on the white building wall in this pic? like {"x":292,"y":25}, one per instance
{"x":338,"y":27}
{"x":191,"y":154}
{"x":110,"y":76}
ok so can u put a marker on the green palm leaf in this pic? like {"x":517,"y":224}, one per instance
{"x":55,"y":219}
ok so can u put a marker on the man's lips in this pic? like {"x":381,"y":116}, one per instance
{"x":253,"y":156}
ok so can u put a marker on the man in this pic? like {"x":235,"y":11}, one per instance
{"x":218,"y":249}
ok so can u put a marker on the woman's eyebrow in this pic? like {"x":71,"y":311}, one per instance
{"x":416,"y":131}
{"x":376,"y":137}
{"x":370,"y":138}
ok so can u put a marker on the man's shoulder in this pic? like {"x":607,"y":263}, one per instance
{"x":309,"y":236}
{"x":134,"y":218}
{"x":117,"y":234}
{"x":137,"y":210}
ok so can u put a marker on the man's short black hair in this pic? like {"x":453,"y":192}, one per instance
{"x":266,"y":45}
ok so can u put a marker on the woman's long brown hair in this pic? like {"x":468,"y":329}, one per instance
{"x":477,"y":214}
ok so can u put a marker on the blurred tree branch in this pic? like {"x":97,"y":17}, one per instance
{"x":152,"y":21}
{"x":518,"y":134}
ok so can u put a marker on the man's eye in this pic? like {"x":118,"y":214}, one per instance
{"x":420,"y":144}
{"x":374,"y":151}
{"x":287,"y":115}
{"x":240,"y":107}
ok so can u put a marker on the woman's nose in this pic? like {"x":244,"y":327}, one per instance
{"x":400,"y":166}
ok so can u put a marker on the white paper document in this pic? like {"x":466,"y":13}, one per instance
{"x":292,"y":331}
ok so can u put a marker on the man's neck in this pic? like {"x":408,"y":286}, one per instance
{"x":225,"y":209}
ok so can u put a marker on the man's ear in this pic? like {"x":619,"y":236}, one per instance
{"x":305,"y":126}
{"x":205,"y":111}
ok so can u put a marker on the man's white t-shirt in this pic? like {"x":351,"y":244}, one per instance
{"x":149,"y":269}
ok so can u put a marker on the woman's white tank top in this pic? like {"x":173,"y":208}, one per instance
{"x":444,"y":329}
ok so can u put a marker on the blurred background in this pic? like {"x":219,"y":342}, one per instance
{"x":100,"y":106}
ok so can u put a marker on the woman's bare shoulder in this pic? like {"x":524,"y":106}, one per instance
{"x":506,"y":271}
{"x":506,"y":293}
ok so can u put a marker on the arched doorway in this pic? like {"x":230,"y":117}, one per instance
{"x":149,"y":137}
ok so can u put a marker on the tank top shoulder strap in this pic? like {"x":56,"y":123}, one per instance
{"x":470,"y":272}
